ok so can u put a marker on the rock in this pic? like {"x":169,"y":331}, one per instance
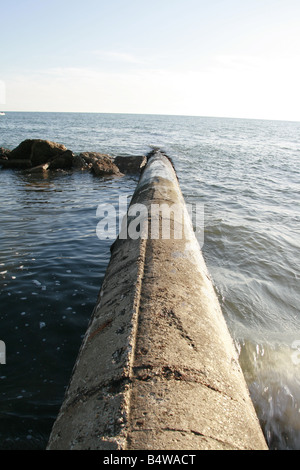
{"x":92,"y":157}
{"x":37,"y":156}
{"x":4,"y":153}
{"x":44,"y":151}
{"x":62,"y":162}
{"x":131,"y":164}
{"x":79,"y":163}
{"x":105,"y":166}
{"x":101,"y":164}
{"x":22,"y":151}
{"x":18,"y":164}
{"x":37,"y":151}
{"x":38,"y":169}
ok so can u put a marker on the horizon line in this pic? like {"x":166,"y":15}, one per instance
{"x":155,"y":114}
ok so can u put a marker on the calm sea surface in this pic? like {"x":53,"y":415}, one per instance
{"x":245,"y":172}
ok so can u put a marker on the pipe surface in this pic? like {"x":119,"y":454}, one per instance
{"x":157,"y":368}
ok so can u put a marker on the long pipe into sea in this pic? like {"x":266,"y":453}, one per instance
{"x":157,"y":368}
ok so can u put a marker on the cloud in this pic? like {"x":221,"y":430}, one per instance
{"x":116,"y":56}
{"x":229,"y":86}
{"x":83,"y":89}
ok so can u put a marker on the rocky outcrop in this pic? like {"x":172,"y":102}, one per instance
{"x":40,"y":169}
{"x":22,"y":151}
{"x":43,"y":151}
{"x":16,"y":163}
{"x":37,"y":155}
{"x":100,"y":164}
{"x":105,"y":166}
{"x":4,"y":153}
{"x":64,"y":161}
{"x":32,"y":153}
{"x":37,"y":151}
{"x":130,"y":164}
{"x":92,"y":157}
{"x":79,"y":163}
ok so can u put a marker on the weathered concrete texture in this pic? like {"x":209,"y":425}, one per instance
{"x":157,"y":368}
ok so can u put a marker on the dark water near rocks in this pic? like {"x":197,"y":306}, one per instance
{"x":245,"y":172}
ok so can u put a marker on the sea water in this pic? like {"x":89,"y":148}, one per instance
{"x":246,"y":175}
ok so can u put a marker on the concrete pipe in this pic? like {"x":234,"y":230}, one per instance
{"x":157,"y":369}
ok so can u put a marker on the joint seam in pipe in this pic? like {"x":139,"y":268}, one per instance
{"x":135,"y":321}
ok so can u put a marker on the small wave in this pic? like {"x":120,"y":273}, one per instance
{"x":274,"y":383}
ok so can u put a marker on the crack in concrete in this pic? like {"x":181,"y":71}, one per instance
{"x":175,"y":321}
{"x":147,"y":372}
{"x":200,"y":434}
{"x":105,"y":390}
{"x":190,"y":431}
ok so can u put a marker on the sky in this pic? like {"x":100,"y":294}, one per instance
{"x":224,"y":58}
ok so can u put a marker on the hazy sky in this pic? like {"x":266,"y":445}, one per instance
{"x":231,"y":58}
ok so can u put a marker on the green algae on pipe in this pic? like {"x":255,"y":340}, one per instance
{"x":157,"y":369}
